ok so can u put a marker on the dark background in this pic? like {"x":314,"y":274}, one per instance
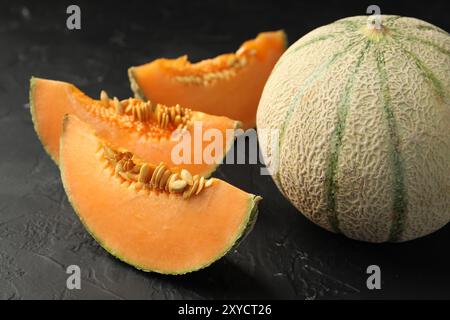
{"x":286,"y":256}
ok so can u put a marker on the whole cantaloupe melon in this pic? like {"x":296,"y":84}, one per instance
{"x":359,"y":120}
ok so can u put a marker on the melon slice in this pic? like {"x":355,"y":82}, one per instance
{"x":145,"y":129}
{"x":151,"y":217}
{"x":228,"y":85}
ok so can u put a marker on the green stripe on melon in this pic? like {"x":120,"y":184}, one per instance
{"x":400,"y":77}
{"x":342,"y":111}
{"x":311,"y":78}
{"x":399,"y":206}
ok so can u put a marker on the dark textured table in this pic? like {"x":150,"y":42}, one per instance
{"x":286,"y":256}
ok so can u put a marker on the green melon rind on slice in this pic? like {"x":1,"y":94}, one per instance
{"x":33,"y":81}
{"x":135,"y":87}
{"x":245,"y":228}
{"x":250,"y":222}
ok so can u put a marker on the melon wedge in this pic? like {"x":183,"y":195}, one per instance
{"x":144,"y":136}
{"x":228,"y":85}
{"x":148,"y":228}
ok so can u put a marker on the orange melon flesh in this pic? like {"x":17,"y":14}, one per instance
{"x":236,"y":96}
{"x":151,"y":230}
{"x":51,"y":100}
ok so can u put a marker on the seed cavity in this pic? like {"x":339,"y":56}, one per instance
{"x":232,"y":65}
{"x":141,"y":115}
{"x":177,"y":116}
{"x":148,"y":177}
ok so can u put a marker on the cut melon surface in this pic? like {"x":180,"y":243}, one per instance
{"x":149,"y":140}
{"x":227,"y":85}
{"x":150,"y":229}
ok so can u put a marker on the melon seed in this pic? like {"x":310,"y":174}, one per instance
{"x":134,"y":113}
{"x":177,"y":120}
{"x":104,"y":98}
{"x":186,"y":176}
{"x":159,"y":175}
{"x":173,"y":177}
{"x":154,"y":182}
{"x":164,"y":178}
{"x":201,"y":183}
{"x":158,"y":114}
{"x":172,"y":113}
{"x":118,"y":106}
{"x":145,"y":111}
{"x":124,"y":102}
{"x":208,"y":183}
{"x":139,"y":112}
{"x":191,"y":190}
{"x":144,"y":173}
{"x":177,"y":185}
{"x":166,"y":120}
{"x":129,"y":106}
{"x":155,"y":173}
